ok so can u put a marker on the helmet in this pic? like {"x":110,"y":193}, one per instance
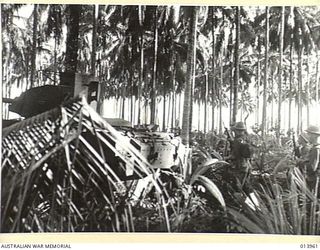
{"x":239,"y":126}
{"x":313,"y":130}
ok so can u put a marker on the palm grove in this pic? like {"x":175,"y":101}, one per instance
{"x":197,"y":63}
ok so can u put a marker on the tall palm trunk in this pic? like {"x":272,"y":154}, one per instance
{"x":174,"y":102}
{"x":280,"y":71}
{"x":55,"y":55}
{"x":140,"y":83}
{"x":71,"y":59}
{"x":213,"y":84}
{"x":258,"y":82}
{"x":123,"y":106}
{"x":154,"y":77}
{"x":264,"y":107}
{"x":169,"y":109}
{"x":300,"y":59}
{"x":231,"y":77}
{"x":290,"y":82}
{"x":132,"y":109}
{"x":272,"y":99}
{"x":94,"y":39}
{"x":237,"y":65}
{"x":308,"y":89}
{"x":199,"y":113}
{"x":146,"y":111}
{"x":191,"y":56}
{"x":164,"y":110}
{"x":317,"y":81}
{"x":206,"y":102}
{"x":317,"y":76}
{"x":95,"y":12}
{"x":34,"y":45}
{"x":220,"y":95}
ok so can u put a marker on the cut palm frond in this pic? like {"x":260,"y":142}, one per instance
{"x":73,"y":161}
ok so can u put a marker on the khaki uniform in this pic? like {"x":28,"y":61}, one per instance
{"x":312,"y":166}
{"x":303,"y":151}
{"x":240,"y":157}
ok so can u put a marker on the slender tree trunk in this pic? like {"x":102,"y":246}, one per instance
{"x":285,"y":114}
{"x":300,"y":59}
{"x":206,"y":102}
{"x":164,"y":111}
{"x":220,"y":95}
{"x":272,"y":100}
{"x":231,"y":89}
{"x":123,"y":105}
{"x":187,"y":106}
{"x":179,"y":108}
{"x":308,"y":89}
{"x":172,"y":81}
{"x":174,"y":107}
{"x":154,"y":78}
{"x":71,"y":59}
{"x":27,"y":72}
{"x":94,"y":39}
{"x":132,"y":109}
{"x":199,"y":114}
{"x":264,"y":107}
{"x":100,"y":95}
{"x":317,"y":77}
{"x":34,"y":45}
{"x":213,"y":84}
{"x":140,"y":84}
{"x":169,"y":109}
{"x":291,"y":82}
{"x":192,"y":103}
{"x":55,"y":62}
{"x":317,"y":82}
{"x":258,"y":82}
{"x":280,"y":72}
{"x":146,"y":111}
{"x":237,"y":65}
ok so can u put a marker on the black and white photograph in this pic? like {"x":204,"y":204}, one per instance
{"x":160,"y":119}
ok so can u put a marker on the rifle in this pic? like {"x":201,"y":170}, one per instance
{"x":295,"y":148}
{"x":229,"y":139}
{"x":226,"y":130}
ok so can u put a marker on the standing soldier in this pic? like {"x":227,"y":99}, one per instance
{"x":301,"y":151}
{"x":240,"y":156}
{"x":312,"y":164}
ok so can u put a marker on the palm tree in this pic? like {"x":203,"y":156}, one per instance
{"x":54,"y":27}
{"x":154,"y":75}
{"x":95,"y":10}
{"x":140,"y":84}
{"x":213,"y":65}
{"x":34,"y":44}
{"x":72,"y":42}
{"x":237,"y":63}
{"x":290,"y":24}
{"x":186,"y":124}
{"x":280,"y":70}
{"x":264,"y":107}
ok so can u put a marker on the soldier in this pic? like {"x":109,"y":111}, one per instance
{"x":304,"y":146}
{"x":312,"y":163}
{"x":240,"y":155}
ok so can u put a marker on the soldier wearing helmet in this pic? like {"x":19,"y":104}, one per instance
{"x":241,"y":154}
{"x":312,"y":164}
{"x":304,"y":146}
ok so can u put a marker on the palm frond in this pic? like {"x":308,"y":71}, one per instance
{"x":74,"y":161}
